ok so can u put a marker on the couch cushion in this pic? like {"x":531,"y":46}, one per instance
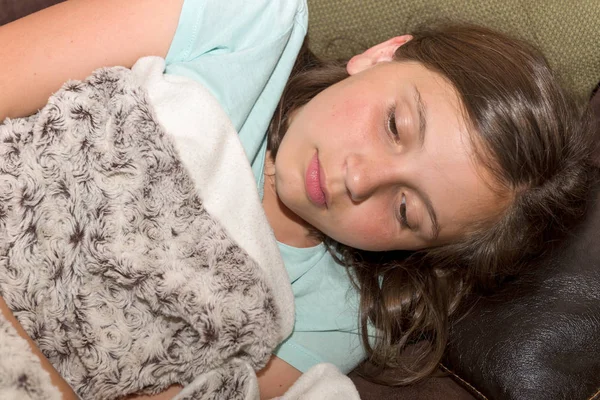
{"x":565,"y":30}
{"x":540,"y":337}
{"x":434,"y":388}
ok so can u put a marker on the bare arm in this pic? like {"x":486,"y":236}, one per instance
{"x":276,"y":378}
{"x":71,"y":39}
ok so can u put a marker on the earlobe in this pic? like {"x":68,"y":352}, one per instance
{"x":380,"y":52}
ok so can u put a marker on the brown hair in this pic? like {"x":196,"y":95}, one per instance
{"x":531,"y":136}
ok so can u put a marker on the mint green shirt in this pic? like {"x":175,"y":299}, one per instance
{"x":243,"y":52}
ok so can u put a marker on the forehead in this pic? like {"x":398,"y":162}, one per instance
{"x":399,"y":72}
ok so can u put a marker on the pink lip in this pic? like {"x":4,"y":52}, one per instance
{"x":314,"y":182}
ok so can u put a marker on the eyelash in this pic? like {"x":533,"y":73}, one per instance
{"x":393,"y":130}
{"x":391,"y":123}
{"x":402,"y":213}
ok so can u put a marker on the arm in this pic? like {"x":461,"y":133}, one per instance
{"x":71,"y":39}
{"x":276,"y":378}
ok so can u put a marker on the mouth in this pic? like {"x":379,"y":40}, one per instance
{"x":315,"y":182}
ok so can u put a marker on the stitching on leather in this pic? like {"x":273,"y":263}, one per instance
{"x":446,"y":369}
{"x":468,"y":384}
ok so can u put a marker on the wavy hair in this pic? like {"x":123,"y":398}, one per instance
{"x":527,"y":131}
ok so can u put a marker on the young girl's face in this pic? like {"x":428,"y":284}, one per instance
{"x":383,"y":161}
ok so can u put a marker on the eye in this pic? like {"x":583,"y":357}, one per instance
{"x":402,"y":213}
{"x":391,"y":124}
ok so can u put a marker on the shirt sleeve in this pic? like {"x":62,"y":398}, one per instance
{"x":242,"y":51}
{"x":303,"y":350}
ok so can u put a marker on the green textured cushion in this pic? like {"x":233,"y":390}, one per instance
{"x":566,"y":31}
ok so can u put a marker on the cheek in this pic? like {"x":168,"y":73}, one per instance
{"x":339,"y":115}
{"x":356,"y":114}
{"x":365,"y":228}
{"x":289,"y":185}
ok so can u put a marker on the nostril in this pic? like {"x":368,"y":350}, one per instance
{"x":350,"y":195}
{"x":355,"y":198}
{"x":356,"y":178}
{"x":353,"y":185}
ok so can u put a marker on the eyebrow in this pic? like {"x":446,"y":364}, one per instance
{"x":422,"y":112}
{"x":435,"y":228}
{"x":422,"y":116}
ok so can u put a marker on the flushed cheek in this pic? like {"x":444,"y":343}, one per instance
{"x":346,"y":115}
{"x":359,"y":114}
{"x":366,"y":233}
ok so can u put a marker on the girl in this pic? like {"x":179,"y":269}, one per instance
{"x":429,"y":166}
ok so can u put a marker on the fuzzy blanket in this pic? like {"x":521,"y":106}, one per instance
{"x":133,"y":246}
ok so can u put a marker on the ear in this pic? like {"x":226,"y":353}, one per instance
{"x":380,"y":52}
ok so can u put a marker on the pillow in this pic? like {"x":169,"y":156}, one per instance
{"x":566,"y":31}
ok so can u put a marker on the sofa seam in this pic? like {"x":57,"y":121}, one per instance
{"x":595,"y":395}
{"x":465,"y":382}
{"x":446,"y":369}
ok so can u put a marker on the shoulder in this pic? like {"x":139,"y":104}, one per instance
{"x":228,"y":26}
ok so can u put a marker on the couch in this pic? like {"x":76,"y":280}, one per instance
{"x":538,"y":338}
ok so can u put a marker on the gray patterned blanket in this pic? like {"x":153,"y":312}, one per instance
{"x":111,"y":256}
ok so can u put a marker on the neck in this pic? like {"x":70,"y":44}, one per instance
{"x":287,"y":226}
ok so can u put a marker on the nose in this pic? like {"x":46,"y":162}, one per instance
{"x":366,"y":175}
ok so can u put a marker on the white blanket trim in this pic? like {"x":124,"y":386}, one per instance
{"x":185,"y":108}
{"x":181,"y":105}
